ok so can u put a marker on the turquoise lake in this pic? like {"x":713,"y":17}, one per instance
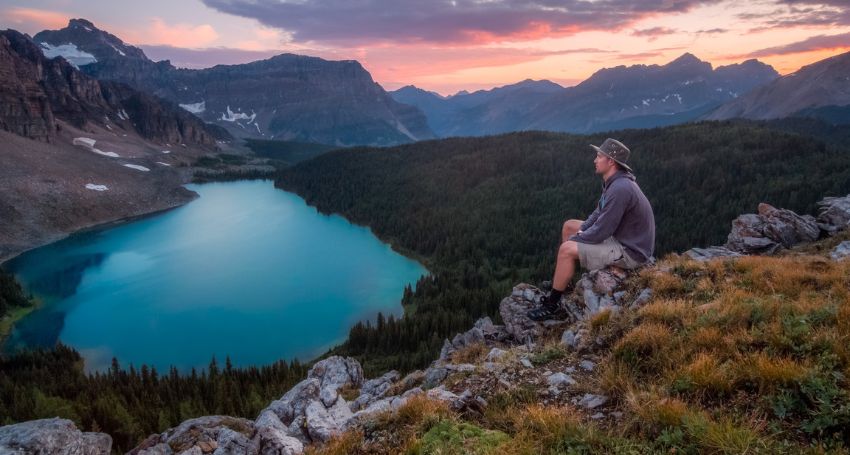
{"x":246,"y":270}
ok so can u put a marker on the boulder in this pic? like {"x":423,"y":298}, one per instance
{"x":483,"y":331}
{"x":712,"y":252}
{"x":834,"y":213}
{"x":513,"y":310}
{"x":221,"y":435}
{"x":591,"y":401}
{"x":374,"y":389}
{"x":52,"y":436}
{"x":334,"y":373}
{"x":770,"y":230}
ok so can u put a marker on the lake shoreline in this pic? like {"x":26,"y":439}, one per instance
{"x":98,"y":226}
{"x":390,"y":296}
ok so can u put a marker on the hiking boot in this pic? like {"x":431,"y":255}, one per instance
{"x":547,"y":311}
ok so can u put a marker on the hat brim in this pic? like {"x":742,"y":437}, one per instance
{"x":625,"y":166}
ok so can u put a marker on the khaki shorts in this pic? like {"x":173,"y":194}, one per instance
{"x":594,"y":256}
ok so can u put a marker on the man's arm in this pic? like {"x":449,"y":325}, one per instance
{"x":590,"y":219}
{"x":610,"y":215}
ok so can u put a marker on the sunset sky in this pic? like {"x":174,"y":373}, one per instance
{"x":450,"y":45}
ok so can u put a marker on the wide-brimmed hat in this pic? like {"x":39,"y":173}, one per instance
{"x":615,"y":150}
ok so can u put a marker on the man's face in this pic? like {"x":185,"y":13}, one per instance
{"x":602,"y":163}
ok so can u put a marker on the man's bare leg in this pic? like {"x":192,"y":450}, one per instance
{"x":566,"y":265}
{"x":570,"y":228}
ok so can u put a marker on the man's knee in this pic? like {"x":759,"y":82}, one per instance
{"x":571,"y":227}
{"x":568,"y":250}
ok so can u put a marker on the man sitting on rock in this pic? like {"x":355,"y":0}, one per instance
{"x":620,"y":232}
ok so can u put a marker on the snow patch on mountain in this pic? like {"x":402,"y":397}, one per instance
{"x":118,"y":50}
{"x":88,"y":144}
{"x":92,"y":186}
{"x":231,"y":116}
{"x":137,"y":167}
{"x":69,"y":52}
{"x":195,"y":108}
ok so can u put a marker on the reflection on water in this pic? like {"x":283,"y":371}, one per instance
{"x":55,"y":284}
{"x":246,"y":270}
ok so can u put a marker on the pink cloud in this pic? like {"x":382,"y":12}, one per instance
{"x":178,"y":35}
{"x":31,"y":19}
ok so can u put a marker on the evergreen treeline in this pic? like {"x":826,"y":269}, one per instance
{"x":287,"y":152}
{"x":486,"y":213}
{"x":11,"y":294}
{"x":129,"y":403}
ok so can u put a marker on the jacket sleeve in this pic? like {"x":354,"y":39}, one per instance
{"x":610,"y":215}
{"x":590,"y":219}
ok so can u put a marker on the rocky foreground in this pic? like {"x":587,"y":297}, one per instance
{"x":557,"y":362}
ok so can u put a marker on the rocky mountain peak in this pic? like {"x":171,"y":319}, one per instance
{"x":81,"y":35}
{"x":688,"y":59}
{"x":822,"y":84}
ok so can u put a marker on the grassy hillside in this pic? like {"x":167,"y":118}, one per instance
{"x":729,"y":357}
{"x":485,"y":213}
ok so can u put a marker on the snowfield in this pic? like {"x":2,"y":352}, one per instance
{"x":195,"y":108}
{"x":69,"y":52}
{"x":88,"y":144}
{"x":234,"y":116}
{"x":137,"y":167}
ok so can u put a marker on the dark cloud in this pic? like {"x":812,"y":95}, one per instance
{"x":446,"y":21}
{"x":810,"y":44}
{"x":796,"y":13}
{"x":653,"y":33}
{"x":712,"y":31}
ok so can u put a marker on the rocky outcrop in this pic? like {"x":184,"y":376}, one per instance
{"x":36,"y":91}
{"x":834,"y":213}
{"x":596,"y":291}
{"x":311,"y":412}
{"x":52,"y":436}
{"x":705,"y":254}
{"x":482,"y":331}
{"x":772,"y":229}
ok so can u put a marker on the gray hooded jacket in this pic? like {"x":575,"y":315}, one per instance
{"x":623,"y":212}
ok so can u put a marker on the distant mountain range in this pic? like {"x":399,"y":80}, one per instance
{"x":288,"y":97}
{"x":308,"y":99}
{"x":638,"y":96}
{"x":821,"y":90}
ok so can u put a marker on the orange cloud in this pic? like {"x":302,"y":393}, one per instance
{"x":177,"y":35}
{"x":34,"y":19}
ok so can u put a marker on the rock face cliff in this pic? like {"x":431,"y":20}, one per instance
{"x":517,"y":355}
{"x":78,"y":152}
{"x":36,"y":91}
{"x":287,"y":97}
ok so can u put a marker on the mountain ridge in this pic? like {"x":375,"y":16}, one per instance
{"x":288,"y":96}
{"x":643,"y":96}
